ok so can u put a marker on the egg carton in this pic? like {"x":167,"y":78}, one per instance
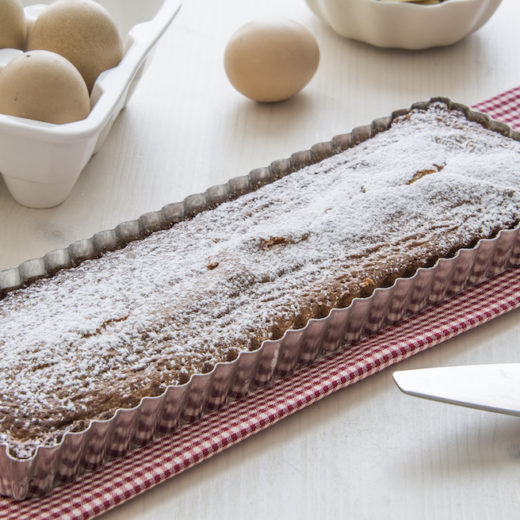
{"x":41,"y":162}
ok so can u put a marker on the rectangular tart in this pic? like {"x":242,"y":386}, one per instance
{"x":98,"y":337}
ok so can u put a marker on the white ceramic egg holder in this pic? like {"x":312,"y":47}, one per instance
{"x":41,"y":162}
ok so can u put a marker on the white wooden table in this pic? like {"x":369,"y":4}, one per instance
{"x":366,"y":452}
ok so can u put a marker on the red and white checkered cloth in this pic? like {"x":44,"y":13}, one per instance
{"x":503,"y":107}
{"x":95,"y":493}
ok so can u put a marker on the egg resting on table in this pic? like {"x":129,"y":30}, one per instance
{"x":271,"y":59}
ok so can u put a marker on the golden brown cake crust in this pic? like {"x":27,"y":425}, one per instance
{"x":101,"y":336}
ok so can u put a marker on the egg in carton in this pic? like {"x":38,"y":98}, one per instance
{"x":41,"y":161}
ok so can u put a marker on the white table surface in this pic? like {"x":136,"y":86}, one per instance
{"x":366,"y":452}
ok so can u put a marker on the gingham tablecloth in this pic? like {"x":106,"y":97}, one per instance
{"x":118,"y":481}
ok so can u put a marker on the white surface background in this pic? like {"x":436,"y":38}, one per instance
{"x":366,"y":452}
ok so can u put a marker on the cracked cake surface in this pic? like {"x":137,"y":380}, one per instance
{"x":100,"y":336}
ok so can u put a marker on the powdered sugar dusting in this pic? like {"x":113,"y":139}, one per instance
{"x":98,"y":337}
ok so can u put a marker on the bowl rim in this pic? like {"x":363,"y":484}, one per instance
{"x":403,"y":24}
{"x":410,"y":4}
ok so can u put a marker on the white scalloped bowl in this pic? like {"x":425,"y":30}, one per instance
{"x":404,"y":25}
{"x":41,"y":162}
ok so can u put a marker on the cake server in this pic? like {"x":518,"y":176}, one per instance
{"x":495,"y":388}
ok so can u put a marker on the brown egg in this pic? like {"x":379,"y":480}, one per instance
{"x":83,"y":32}
{"x":12,"y":24}
{"x":44,"y":86}
{"x":271,"y":59}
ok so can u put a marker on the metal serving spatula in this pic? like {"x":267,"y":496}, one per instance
{"x":495,"y":388}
